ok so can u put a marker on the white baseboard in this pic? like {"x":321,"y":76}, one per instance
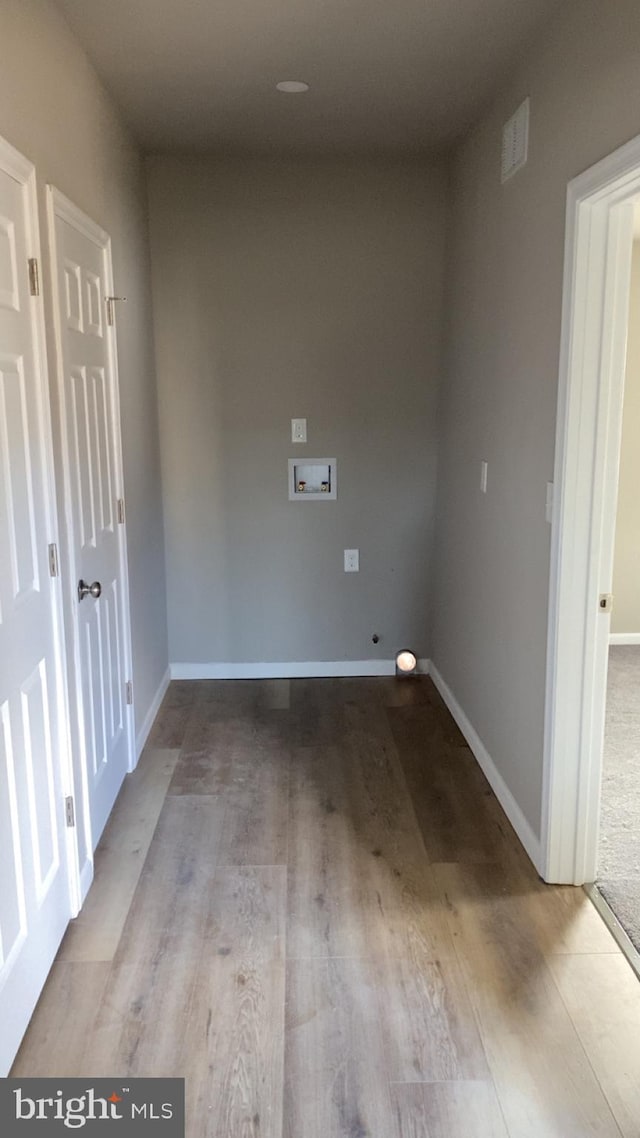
{"x":147,"y":724}
{"x":292,"y":670}
{"x":520,"y":824}
{"x":624,"y":638}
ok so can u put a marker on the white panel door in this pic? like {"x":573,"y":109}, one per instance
{"x":96,"y":553}
{"x":35,"y":898}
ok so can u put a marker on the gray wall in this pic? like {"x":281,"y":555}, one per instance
{"x":500,"y":388}
{"x":296,"y":289}
{"x":626,"y":569}
{"x":54,"y":109}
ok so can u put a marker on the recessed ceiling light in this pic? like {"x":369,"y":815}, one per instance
{"x":292,"y":86}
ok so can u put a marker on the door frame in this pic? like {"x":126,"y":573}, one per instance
{"x":60,"y":206}
{"x":14,"y":163}
{"x":598,"y":247}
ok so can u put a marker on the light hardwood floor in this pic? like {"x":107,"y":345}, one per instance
{"x":309,"y":903}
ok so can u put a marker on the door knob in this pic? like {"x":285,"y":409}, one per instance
{"x":85,"y":590}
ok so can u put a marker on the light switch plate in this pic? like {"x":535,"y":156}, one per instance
{"x":352,"y":560}
{"x":298,"y":430}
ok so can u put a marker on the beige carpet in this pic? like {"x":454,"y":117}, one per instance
{"x":619,"y":853}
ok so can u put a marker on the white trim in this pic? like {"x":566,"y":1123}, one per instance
{"x":520,"y":824}
{"x":147,"y":722}
{"x":599,"y":234}
{"x":289,"y":670}
{"x":624,"y":638}
{"x":112,"y":346}
{"x":17,"y":166}
{"x":86,"y":879}
{"x":68,"y":211}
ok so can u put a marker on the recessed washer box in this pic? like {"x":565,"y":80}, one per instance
{"x":313,"y":480}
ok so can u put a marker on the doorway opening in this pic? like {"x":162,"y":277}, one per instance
{"x":601,"y":222}
{"x":618,"y":871}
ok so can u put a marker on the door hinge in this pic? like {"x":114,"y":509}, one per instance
{"x":34,"y":276}
{"x":129,"y":691}
{"x":111,"y":312}
{"x":121,"y":511}
{"x":69,"y":811}
{"x":605,"y":604}
{"x":53,"y":560}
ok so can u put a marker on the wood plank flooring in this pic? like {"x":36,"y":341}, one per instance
{"x":309,"y":904}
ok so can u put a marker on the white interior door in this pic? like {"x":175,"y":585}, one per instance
{"x":35,"y":897}
{"x":95,"y":547}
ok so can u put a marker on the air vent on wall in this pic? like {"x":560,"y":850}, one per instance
{"x":515,"y":142}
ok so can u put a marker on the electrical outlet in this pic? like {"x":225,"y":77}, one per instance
{"x":352,"y":560}
{"x":298,"y":430}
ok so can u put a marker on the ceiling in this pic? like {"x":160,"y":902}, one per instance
{"x":403,"y":75}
